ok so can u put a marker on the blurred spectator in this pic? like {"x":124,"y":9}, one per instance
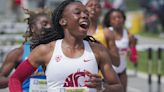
{"x":150,"y":20}
{"x":160,"y":14}
{"x":119,"y":4}
{"x":107,"y":4}
{"x":154,"y":11}
{"x":41,"y":3}
{"x":144,"y":3}
{"x":15,"y":7}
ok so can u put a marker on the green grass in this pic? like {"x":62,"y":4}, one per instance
{"x":150,"y":35}
{"x":143,"y":62}
{"x":132,"y":5}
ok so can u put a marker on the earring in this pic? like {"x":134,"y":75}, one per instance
{"x":64,"y":22}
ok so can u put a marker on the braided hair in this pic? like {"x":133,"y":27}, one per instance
{"x":31,"y":19}
{"x":33,"y":15}
{"x":106,"y":20}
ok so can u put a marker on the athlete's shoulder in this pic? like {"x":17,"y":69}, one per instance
{"x":16,"y":51}
{"x":97,"y":47}
{"x":109,"y":33}
{"x":41,"y":52}
{"x":45,"y":48}
{"x":99,"y":50}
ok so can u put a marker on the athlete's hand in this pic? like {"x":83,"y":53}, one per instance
{"x":94,"y":81}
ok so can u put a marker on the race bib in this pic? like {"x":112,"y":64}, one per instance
{"x":74,"y":89}
{"x":38,"y":85}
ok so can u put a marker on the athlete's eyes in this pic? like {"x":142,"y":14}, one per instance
{"x":44,"y":23}
{"x":77,"y":11}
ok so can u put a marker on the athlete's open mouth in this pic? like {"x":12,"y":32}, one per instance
{"x":93,"y":12}
{"x":84,"y":24}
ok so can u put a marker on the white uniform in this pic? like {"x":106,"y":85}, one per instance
{"x":122,"y":45}
{"x":63,"y":71}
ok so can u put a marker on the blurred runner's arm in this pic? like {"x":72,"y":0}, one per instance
{"x":113,"y":51}
{"x":112,"y":82}
{"x":8,"y":65}
{"x":27,"y":68}
{"x":22,"y":72}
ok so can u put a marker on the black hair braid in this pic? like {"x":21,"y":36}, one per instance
{"x":106,"y":20}
{"x":49,"y":35}
{"x":26,"y":35}
{"x":57,"y":14}
{"x":46,"y":37}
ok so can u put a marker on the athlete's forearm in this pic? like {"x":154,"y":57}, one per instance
{"x":23,"y":71}
{"x":114,"y":57}
{"x":3,"y":82}
{"x":113,"y":88}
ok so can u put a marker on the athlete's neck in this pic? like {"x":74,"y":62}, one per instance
{"x":118,"y":30}
{"x":72,"y":44}
{"x":92,"y":28}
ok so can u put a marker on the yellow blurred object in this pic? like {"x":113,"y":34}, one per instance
{"x":100,"y":73}
{"x":134,"y":22}
{"x":99,"y":35}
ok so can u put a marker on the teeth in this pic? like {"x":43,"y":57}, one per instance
{"x":93,"y":12}
{"x":85,"y":23}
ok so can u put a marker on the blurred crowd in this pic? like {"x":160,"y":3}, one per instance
{"x":152,"y":10}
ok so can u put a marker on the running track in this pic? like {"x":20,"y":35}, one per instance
{"x":137,"y":83}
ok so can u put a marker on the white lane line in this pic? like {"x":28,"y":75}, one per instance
{"x":131,"y":89}
{"x":145,"y":76}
